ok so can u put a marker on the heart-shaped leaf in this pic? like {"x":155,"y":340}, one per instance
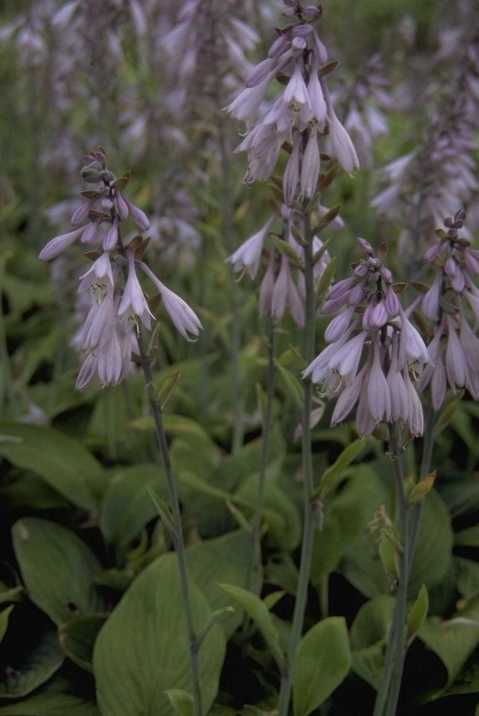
{"x":58,"y":569}
{"x":142,"y":651}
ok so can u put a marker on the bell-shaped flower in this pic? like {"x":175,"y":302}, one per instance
{"x":184,"y":318}
{"x":58,"y":245}
{"x":133,"y":303}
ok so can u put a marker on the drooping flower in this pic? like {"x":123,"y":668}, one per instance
{"x":373,"y":351}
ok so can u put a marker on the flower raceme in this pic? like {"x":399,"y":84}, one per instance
{"x":282,"y":287}
{"x":454,"y":345}
{"x":109,"y":334}
{"x":374,"y":354}
{"x":301,"y":112}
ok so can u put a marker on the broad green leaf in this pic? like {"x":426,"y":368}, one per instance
{"x":368,"y":663}
{"x":346,"y":515}
{"x":258,"y":611}
{"x":77,"y":639}
{"x":58,"y":569}
{"x":432,"y":559}
{"x":322,"y":662}
{"x":181,"y":701}
{"x":349,"y":454}
{"x":417,"y":614}
{"x":54,"y":700}
{"x":127,"y":507}
{"x":228,"y":558}
{"x":4,"y":614}
{"x":282,"y":517}
{"x":467,"y":576}
{"x":142,"y":651}
{"x":26,"y":489}
{"x":468,"y":537}
{"x":368,"y":638}
{"x":40,"y":665}
{"x":453,"y":640}
{"x":61,"y":461}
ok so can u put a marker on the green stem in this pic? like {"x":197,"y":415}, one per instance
{"x":177,"y":534}
{"x":308,"y":488}
{"x":388,"y":694}
{"x":416,"y":509}
{"x":255,"y":574}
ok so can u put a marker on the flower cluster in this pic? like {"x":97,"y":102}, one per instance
{"x":374,"y":352}
{"x":365,"y":101}
{"x":282,"y":286}
{"x":109,"y":334}
{"x":454,"y":346}
{"x":424,"y":186}
{"x":301,"y":112}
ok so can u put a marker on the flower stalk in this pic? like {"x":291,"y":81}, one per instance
{"x":307,"y":470}
{"x":388,"y":694}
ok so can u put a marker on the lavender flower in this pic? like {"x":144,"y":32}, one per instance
{"x":109,"y":334}
{"x":282,"y":287}
{"x":454,"y":345}
{"x":300,"y":113}
{"x":373,"y":351}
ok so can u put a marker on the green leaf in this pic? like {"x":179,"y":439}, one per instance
{"x":258,"y":612}
{"x":432,"y":559}
{"x":468,"y":537}
{"x":4,"y":614}
{"x":417,"y":613}
{"x":41,"y":664}
{"x":54,"y":700}
{"x":280,"y":514}
{"x":61,"y":461}
{"x":163,"y":510}
{"x":291,"y":385}
{"x":214,"y":618}
{"x":143,"y":651}
{"x":467,"y":579}
{"x":127,"y":506}
{"x":223,"y":558}
{"x":181,"y":701}
{"x":368,"y":638}
{"x":349,"y":454}
{"x":453,"y":640}
{"x":167,"y":388}
{"x":77,"y":639}
{"x":58,"y":569}
{"x":346,"y":513}
{"x":322,"y":662}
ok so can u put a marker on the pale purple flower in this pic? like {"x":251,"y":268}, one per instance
{"x":248,"y":256}
{"x":371,"y":355}
{"x":57,"y":245}
{"x":343,"y":148}
{"x":133,"y":303}
{"x":100,"y":269}
{"x":286,"y":295}
{"x":184,"y":318}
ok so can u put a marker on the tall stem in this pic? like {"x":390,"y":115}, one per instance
{"x":416,"y":509}
{"x":177,"y":535}
{"x":388,"y":694}
{"x":255,"y":575}
{"x":307,"y":465}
